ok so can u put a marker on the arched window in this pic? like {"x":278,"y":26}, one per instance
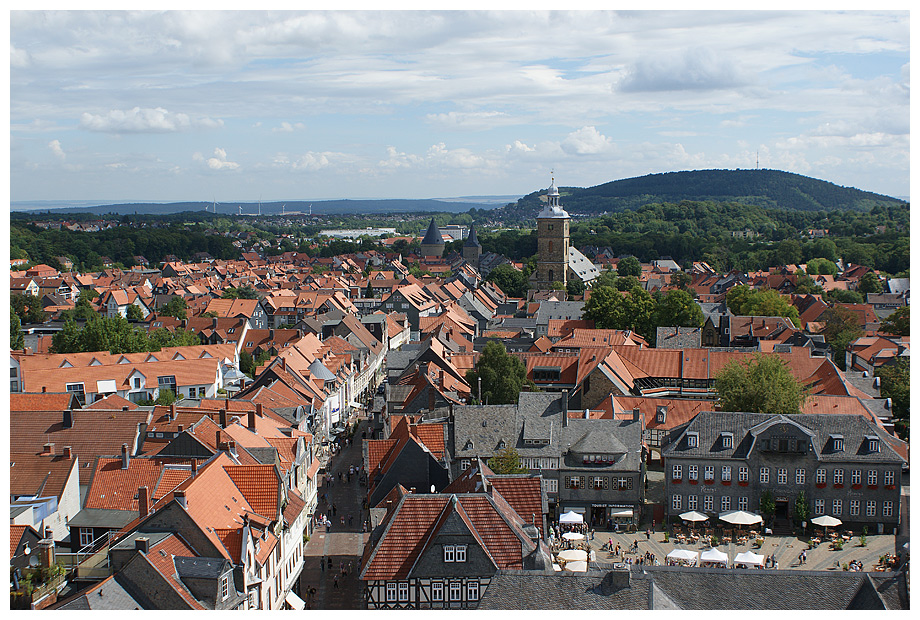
{"x":551,"y":246}
{"x":551,"y":276}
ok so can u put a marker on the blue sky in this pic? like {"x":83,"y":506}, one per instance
{"x":237,"y":106}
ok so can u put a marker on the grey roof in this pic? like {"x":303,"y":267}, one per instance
{"x":559,"y":310}
{"x":154,"y":538}
{"x":478,"y":429}
{"x":102,"y":517}
{"x":678,"y":337}
{"x":746,"y":426}
{"x":433,"y":235}
{"x":471,"y":240}
{"x":672,"y":587}
{"x":583,"y":268}
{"x":106,"y":595}
{"x":321,"y":372}
{"x":898,"y":285}
{"x":200,"y":568}
{"x":605,"y":437}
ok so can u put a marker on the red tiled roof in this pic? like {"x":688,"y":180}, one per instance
{"x":43,"y":401}
{"x":259,"y":485}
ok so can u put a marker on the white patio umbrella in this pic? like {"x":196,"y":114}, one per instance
{"x":684,"y":554}
{"x":556,"y":567}
{"x":740,"y":517}
{"x":826,"y":521}
{"x":577,"y":567}
{"x":749,"y":558}
{"x":573,"y":555}
{"x":571,"y":517}
{"x":693,"y":516}
{"x":714,"y":555}
{"x":573,"y":536}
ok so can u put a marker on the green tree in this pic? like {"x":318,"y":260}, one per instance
{"x":503,"y":375}
{"x":763,"y":384}
{"x":556,"y":285}
{"x":28,"y":308}
{"x":512,"y":282}
{"x":897,"y":323}
{"x":895,"y":384}
{"x":133,"y":313}
{"x":801,"y":511}
{"x":681,"y":279}
{"x":841,"y":327}
{"x":629,"y":266}
{"x":870,"y":283}
{"x":767,"y":505}
{"x":176,"y":307}
{"x":16,"y":338}
{"x":745,"y":301}
{"x":575,"y":287}
{"x":242,"y":292}
{"x":81,"y":310}
{"x":507,"y":461}
{"x":607,"y":278}
{"x":611,"y":309}
{"x":843,"y":296}
{"x":678,"y":308}
{"x":820,"y":267}
{"x":247,"y":363}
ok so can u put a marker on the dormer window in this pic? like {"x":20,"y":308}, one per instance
{"x":661,"y":415}
{"x":873,"y":443}
{"x":693,"y":440}
{"x":727,"y":441}
{"x":469,"y":444}
{"x":501,"y":444}
{"x":837,"y":443}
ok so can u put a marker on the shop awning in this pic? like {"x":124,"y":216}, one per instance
{"x":294,"y":601}
{"x":622,"y":512}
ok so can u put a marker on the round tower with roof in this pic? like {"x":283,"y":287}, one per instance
{"x":472,"y":250}
{"x":433,"y":243}
{"x":552,"y":242}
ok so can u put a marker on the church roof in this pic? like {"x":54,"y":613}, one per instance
{"x":433,"y":235}
{"x":471,"y":240}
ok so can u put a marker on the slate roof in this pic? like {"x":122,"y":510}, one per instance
{"x":519,"y":590}
{"x":478,"y":429}
{"x":746,"y":426}
{"x":433,"y":235}
{"x":107,"y":595}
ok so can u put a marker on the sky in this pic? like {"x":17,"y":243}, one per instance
{"x":239,"y":106}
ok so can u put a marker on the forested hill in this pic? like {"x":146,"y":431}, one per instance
{"x":764,"y":188}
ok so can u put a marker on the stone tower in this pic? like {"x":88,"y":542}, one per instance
{"x":472,"y":250}
{"x":552,"y":243}
{"x":433,"y":243}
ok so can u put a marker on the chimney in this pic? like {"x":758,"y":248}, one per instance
{"x":48,"y":448}
{"x":68,"y":452}
{"x":431,"y":398}
{"x":124,"y":407}
{"x":44,"y":389}
{"x":587,"y":414}
{"x":251,"y":421}
{"x":125,"y":457}
{"x":181,"y":428}
{"x":194,"y":467}
{"x":271,"y":335}
{"x":259,"y":409}
{"x":283,"y":365}
{"x":441,"y":378}
{"x":143,"y":502}
{"x":180,"y":497}
{"x":68,"y":418}
{"x":142,"y":544}
{"x":412,"y":490}
{"x":172,"y":411}
{"x":227,"y":404}
{"x":565,"y":403}
{"x":636,"y":414}
{"x":213,"y":322}
{"x":231,"y":447}
{"x":222,"y":416}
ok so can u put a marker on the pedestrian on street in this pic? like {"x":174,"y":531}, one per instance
{"x":351,"y":519}
{"x":333,"y":510}
{"x":342,"y":519}
{"x":335,"y":582}
{"x":592,"y":533}
{"x":322,"y":564}
{"x":648,"y":534}
{"x":330,"y":565}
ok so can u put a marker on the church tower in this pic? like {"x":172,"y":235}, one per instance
{"x":472,"y":250}
{"x":552,"y":243}
{"x":433,"y":243}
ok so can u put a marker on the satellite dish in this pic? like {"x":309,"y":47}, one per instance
{"x":33,"y":561}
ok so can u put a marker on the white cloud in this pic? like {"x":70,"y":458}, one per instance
{"x":55,"y":146}
{"x":19,"y":59}
{"x":699,"y":68}
{"x":218,"y":162}
{"x":519,"y":147}
{"x":469,"y":120}
{"x":586,"y":141}
{"x":287,"y":127}
{"x":144,"y":120}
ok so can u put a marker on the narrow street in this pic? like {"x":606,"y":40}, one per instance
{"x":344,"y":543}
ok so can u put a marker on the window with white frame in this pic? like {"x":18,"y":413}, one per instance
{"x":224,"y":587}
{"x":77,"y":390}
{"x":726,"y":502}
{"x":743,"y":473}
{"x":599,"y":482}
{"x":819,"y":507}
{"x":726,"y":473}
{"x":837,"y":507}
{"x":455,"y":591}
{"x":781,"y":475}
{"x":764,"y":475}
{"x":450,"y":554}
{"x":838,"y":476}
{"x":676,"y":472}
{"x":461,"y":553}
{"x":551,"y":485}
{"x":889,"y":478}
{"x":692,"y":502}
{"x":854,"y":507}
{"x":856,"y":477}
{"x":675,"y":502}
{"x":821,"y":476}
{"x":707,"y":503}
{"x":137,"y":383}
{"x":437,"y":591}
{"x":472,"y":590}
{"x":873,"y":444}
{"x":870,"y":507}
{"x":726,"y":440}
{"x":800,"y":476}
{"x":693,"y":440}
{"x":838,"y":444}
{"x":743,"y":503}
{"x":693,"y":472}
{"x":391,"y":592}
{"x":403,"y":591}
{"x":887,"y":509}
{"x":574,"y":482}
{"x":872,"y":477}
{"x":464,"y":464}
{"x":709,"y":472}
{"x":86,"y":536}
